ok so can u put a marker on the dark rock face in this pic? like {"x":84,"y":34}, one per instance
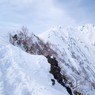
{"x":55,"y":71}
{"x":31,"y":44}
{"x":69,"y":90}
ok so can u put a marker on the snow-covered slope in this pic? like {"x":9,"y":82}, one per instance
{"x":76,"y":53}
{"x":87,"y":34}
{"x":24,"y":74}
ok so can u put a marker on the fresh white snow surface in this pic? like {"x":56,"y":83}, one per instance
{"x":24,"y":74}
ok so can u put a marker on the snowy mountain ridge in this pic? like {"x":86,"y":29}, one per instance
{"x":24,"y":74}
{"x":75,"y":53}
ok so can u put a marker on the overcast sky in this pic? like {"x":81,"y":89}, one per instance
{"x":40,"y":15}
